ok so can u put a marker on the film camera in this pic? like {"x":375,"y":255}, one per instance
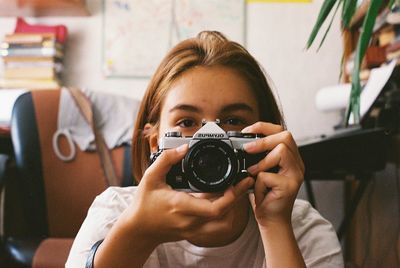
{"x":215,"y":159}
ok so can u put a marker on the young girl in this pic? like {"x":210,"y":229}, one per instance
{"x":153,"y":225}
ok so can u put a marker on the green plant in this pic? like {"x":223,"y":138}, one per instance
{"x":348,"y":10}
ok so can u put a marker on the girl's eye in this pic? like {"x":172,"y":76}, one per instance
{"x":186,"y":123}
{"x":233,"y":121}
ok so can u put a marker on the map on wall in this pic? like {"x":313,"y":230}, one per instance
{"x":138,"y":33}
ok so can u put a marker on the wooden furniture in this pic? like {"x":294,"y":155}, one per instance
{"x":39,"y":8}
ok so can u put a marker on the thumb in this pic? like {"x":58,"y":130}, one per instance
{"x":165,"y":161}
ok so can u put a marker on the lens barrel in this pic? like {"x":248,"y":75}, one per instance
{"x":210,"y":165}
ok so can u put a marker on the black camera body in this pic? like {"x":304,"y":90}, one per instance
{"x":215,"y":159}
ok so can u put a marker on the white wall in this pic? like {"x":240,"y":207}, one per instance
{"x":276,"y":36}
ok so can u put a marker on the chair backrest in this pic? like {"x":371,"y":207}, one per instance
{"x":56,"y":194}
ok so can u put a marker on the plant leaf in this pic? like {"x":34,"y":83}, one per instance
{"x":323,"y":13}
{"x":349,"y":8}
{"x":341,"y":66}
{"x":363,"y":41}
{"x":330,"y":24}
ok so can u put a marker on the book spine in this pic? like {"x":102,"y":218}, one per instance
{"x":34,"y":52}
{"x":50,"y":44}
{"x":29,"y":83}
{"x":30,"y":73}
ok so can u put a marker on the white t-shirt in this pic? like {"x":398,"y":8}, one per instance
{"x":315,"y":236}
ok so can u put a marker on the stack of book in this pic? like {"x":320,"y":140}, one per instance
{"x":31,"y":60}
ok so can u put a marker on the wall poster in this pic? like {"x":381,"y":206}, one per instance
{"x":138,"y":33}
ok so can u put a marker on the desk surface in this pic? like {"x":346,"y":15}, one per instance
{"x":362,"y":150}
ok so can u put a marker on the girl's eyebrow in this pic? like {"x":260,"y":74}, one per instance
{"x":225,"y":109}
{"x":237,"y":107}
{"x":185,"y":107}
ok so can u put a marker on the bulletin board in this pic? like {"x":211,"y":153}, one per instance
{"x":138,"y":33}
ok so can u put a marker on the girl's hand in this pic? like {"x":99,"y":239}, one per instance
{"x":274,"y":193}
{"x":162,"y":214}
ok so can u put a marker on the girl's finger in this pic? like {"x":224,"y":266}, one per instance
{"x":252,"y":200}
{"x":271,"y":186}
{"x":191,"y":205}
{"x":159,"y":169}
{"x":280,"y":157}
{"x":264,"y":128}
{"x":271,"y":141}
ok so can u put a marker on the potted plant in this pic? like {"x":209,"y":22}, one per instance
{"x":349,"y":8}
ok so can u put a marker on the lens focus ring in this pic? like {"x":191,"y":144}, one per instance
{"x":210,"y":165}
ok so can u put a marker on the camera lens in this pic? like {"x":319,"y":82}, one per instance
{"x":210,"y":165}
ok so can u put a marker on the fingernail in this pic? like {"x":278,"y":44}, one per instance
{"x":246,"y":129}
{"x":251,"y":197}
{"x":249,"y":145}
{"x":181,"y":148}
{"x":253,"y":169}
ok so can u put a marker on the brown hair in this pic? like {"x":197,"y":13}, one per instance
{"x":209,"y":48}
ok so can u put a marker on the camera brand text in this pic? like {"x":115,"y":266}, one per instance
{"x":210,"y":135}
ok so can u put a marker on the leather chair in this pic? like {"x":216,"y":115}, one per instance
{"x":53,"y":195}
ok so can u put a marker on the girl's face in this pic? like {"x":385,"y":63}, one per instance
{"x":208,"y":93}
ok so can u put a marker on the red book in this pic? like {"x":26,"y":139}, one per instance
{"x":60,"y":31}
{"x":375,"y":56}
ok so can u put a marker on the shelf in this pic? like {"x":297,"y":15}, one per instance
{"x":42,"y":8}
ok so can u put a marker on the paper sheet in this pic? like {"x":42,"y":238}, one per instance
{"x":376,"y":82}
